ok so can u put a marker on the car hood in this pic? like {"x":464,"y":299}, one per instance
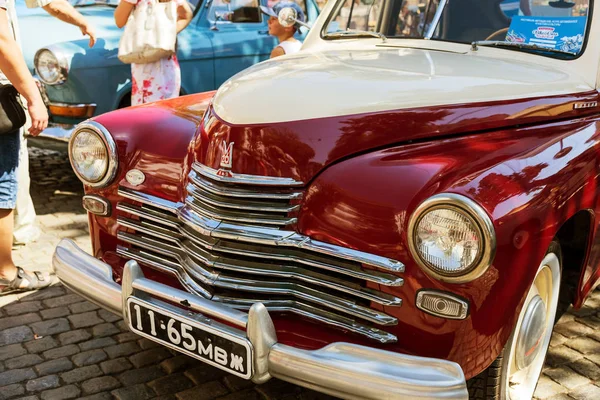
{"x":337,"y":83}
{"x":295,"y":116}
{"x":32,"y":22}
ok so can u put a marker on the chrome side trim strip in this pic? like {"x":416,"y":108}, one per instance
{"x":243,"y":179}
{"x":268,"y":236}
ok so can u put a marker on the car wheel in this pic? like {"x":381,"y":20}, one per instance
{"x":516,"y":371}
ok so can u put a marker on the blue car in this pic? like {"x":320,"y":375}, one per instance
{"x":39,"y":29}
{"x":88,"y":82}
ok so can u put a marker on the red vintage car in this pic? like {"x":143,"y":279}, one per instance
{"x":398,"y":210}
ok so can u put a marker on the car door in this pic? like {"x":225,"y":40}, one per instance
{"x":239,"y":34}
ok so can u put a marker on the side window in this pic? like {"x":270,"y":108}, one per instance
{"x":235,"y":11}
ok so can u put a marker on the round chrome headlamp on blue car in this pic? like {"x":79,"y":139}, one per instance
{"x":452,"y":238}
{"x":93,"y":154}
{"x":51,"y":66}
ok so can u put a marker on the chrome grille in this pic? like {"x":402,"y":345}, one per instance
{"x":221,"y":255}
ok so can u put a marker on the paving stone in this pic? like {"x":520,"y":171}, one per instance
{"x":108,"y":316}
{"x":17,"y":334}
{"x":142,"y":375}
{"x":57,"y":312}
{"x":11,"y":391}
{"x":26,"y":360}
{"x":39,"y":345}
{"x":123,"y":349}
{"x":171,"y":384}
{"x":235,"y":384}
{"x":51,"y":327}
{"x":587,"y":392}
{"x":276,"y":388}
{"x":97,"y":343}
{"x":85,"y":320}
{"x":126,"y":337}
{"x":89,"y":357}
{"x":19,"y":320}
{"x":566,"y":377}
{"x":105,"y":329}
{"x":11,"y":351}
{"x":100,"y":384}
{"x":137,"y":392}
{"x":76,"y":336}
{"x":29,"y":398}
{"x":204,"y":373}
{"x":584,"y":345}
{"x":560,"y":396}
{"x":149,"y":357}
{"x":546,"y":388}
{"x":560,"y":355}
{"x":116,"y":366}
{"x":62,"y":393}
{"x":64,"y":351}
{"x":573,"y":329}
{"x":122,"y":325}
{"x":22,"y":308}
{"x":147,"y":344}
{"x":206,"y":391}
{"x":166,"y":397}
{"x":15,"y":376}
{"x":43,"y":383}
{"x":48,"y":293}
{"x":84,"y":306}
{"x":98,"y":396}
{"x":53,"y":366}
{"x":63,"y":300}
{"x":243,"y":395}
{"x":178,"y":363}
{"x":81,"y":374}
{"x":557,"y":339}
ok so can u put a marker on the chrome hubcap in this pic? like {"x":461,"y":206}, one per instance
{"x":529,"y":342}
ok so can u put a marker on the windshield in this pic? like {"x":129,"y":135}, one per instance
{"x":522,"y":25}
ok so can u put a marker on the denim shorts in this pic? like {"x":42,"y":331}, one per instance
{"x":9,"y":161}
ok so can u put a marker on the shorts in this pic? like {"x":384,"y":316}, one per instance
{"x":9,"y":161}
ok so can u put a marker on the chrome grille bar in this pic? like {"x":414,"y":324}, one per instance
{"x":247,"y":180}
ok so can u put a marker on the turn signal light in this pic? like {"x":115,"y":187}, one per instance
{"x":72,"y":110}
{"x":441,"y":304}
{"x":96,"y":205}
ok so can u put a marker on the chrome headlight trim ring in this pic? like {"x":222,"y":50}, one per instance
{"x":111,"y":148}
{"x":62,"y":63}
{"x":476,"y":213}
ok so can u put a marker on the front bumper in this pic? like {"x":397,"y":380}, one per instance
{"x":341,"y":369}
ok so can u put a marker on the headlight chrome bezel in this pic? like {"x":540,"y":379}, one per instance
{"x":63,"y":64}
{"x":111,"y":149}
{"x":472,"y":211}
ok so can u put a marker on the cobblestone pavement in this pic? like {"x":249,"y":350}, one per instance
{"x":56,"y":345}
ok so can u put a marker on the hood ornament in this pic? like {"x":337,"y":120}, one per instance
{"x":226,"y":159}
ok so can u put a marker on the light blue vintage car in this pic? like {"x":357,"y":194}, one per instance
{"x":86,"y":82}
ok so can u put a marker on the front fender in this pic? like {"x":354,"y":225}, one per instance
{"x":529,"y":181}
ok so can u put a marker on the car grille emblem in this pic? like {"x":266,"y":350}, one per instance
{"x":226,"y":159}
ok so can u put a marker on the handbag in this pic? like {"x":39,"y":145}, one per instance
{"x":12,"y":111}
{"x":150,"y":32}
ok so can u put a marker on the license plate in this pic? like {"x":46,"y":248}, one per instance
{"x":196,"y":339}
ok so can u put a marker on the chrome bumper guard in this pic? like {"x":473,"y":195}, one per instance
{"x":340,"y":369}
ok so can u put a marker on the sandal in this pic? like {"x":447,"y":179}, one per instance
{"x":25,"y":281}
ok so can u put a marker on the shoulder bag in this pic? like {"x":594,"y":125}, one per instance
{"x":12,"y":112}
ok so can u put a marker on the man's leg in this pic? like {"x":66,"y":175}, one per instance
{"x":7,"y":267}
{"x":25,"y":231}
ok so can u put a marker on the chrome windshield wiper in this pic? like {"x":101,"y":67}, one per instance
{"x":343,"y":34}
{"x":529,"y":46}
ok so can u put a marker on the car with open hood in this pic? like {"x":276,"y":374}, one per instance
{"x":222,"y":39}
{"x":402,"y":209}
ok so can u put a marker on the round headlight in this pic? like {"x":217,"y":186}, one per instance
{"x":93,"y":154}
{"x":49,"y":68}
{"x":452,"y":238}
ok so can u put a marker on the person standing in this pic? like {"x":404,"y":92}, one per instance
{"x":158,"y":80}
{"x":288,"y":44}
{"x":14,"y":71}
{"x":25,"y":230}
